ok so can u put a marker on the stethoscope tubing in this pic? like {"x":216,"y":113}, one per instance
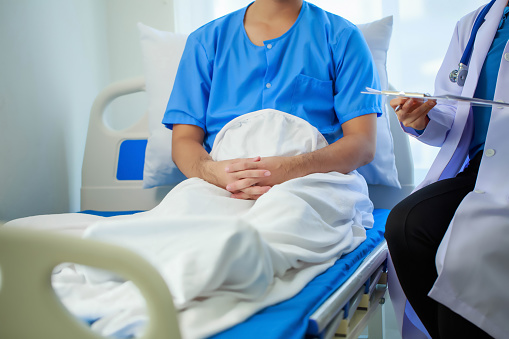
{"x":459,"y":75}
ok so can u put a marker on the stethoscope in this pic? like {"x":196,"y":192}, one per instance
{"x":460,"y":75}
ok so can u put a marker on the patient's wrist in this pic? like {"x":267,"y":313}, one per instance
{"x":210,"y":172}
{"x":298,"y":166}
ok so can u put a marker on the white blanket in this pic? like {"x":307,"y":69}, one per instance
{"x":224,"y":259}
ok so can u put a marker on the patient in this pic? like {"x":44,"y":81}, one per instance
{"x":272,"y":116}
{"x":282,"y":54}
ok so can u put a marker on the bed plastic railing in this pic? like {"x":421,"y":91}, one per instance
{"x":100,"y":189}
{"x":29,"y":307}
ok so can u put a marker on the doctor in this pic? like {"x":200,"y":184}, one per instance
{"x":449,"y":240}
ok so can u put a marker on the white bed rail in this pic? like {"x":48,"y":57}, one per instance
{"x":100,"y":189}
{"x":29,"y":307}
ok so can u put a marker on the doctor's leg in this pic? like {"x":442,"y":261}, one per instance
{"x":452,"y":325}
{"x":414,"y":230}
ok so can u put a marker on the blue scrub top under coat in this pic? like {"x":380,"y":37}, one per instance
{"x":316,"y":71}
{"x":487,"y":83}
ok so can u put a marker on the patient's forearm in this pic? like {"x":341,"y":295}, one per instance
{"x":191,"y":158}
{"x":345,"y":155}
{"x":355,"y":149}
{"x":188,"y":152}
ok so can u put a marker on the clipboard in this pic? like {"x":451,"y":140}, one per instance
{"x":426,"y":96}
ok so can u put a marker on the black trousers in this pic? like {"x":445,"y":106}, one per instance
{"x":415,"y":227}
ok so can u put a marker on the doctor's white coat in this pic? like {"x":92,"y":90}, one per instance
{"x":473,"y":258}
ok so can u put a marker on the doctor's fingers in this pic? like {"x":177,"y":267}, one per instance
{"x":415,"y":114}
{"x":411,"y":104}
{"x":396,"y":103}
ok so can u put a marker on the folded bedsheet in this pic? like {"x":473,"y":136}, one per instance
{"x":225,"y":259}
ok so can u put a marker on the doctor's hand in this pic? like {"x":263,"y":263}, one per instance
{"x":412,"y":112}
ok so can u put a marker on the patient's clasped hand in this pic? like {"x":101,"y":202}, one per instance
{"x":236,"y":256}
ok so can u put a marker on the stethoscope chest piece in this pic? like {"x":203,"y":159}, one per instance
{"x":459,"y":75}
{"x":453,"y":76}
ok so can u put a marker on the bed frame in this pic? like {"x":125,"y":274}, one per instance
{"x":29,"y":307}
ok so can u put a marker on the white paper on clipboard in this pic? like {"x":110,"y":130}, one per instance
{"x":426,"y":96}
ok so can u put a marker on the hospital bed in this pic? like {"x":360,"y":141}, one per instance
{"x":341,"y":302}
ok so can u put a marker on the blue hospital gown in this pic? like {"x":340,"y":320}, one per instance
{"x":316,"y":71}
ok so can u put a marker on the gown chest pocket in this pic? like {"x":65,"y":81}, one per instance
{"x":313,"y":100}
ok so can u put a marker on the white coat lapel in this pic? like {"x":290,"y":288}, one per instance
{"x":482,"y":45}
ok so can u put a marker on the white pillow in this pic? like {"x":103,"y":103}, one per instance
{"x":382,"y":170}
{"x":161,"y":55}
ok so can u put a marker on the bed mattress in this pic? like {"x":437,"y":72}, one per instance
{"x":290,"y":318}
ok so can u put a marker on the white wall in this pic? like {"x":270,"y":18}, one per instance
{"x":52,"y":63}
{"x":55,"y":56}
